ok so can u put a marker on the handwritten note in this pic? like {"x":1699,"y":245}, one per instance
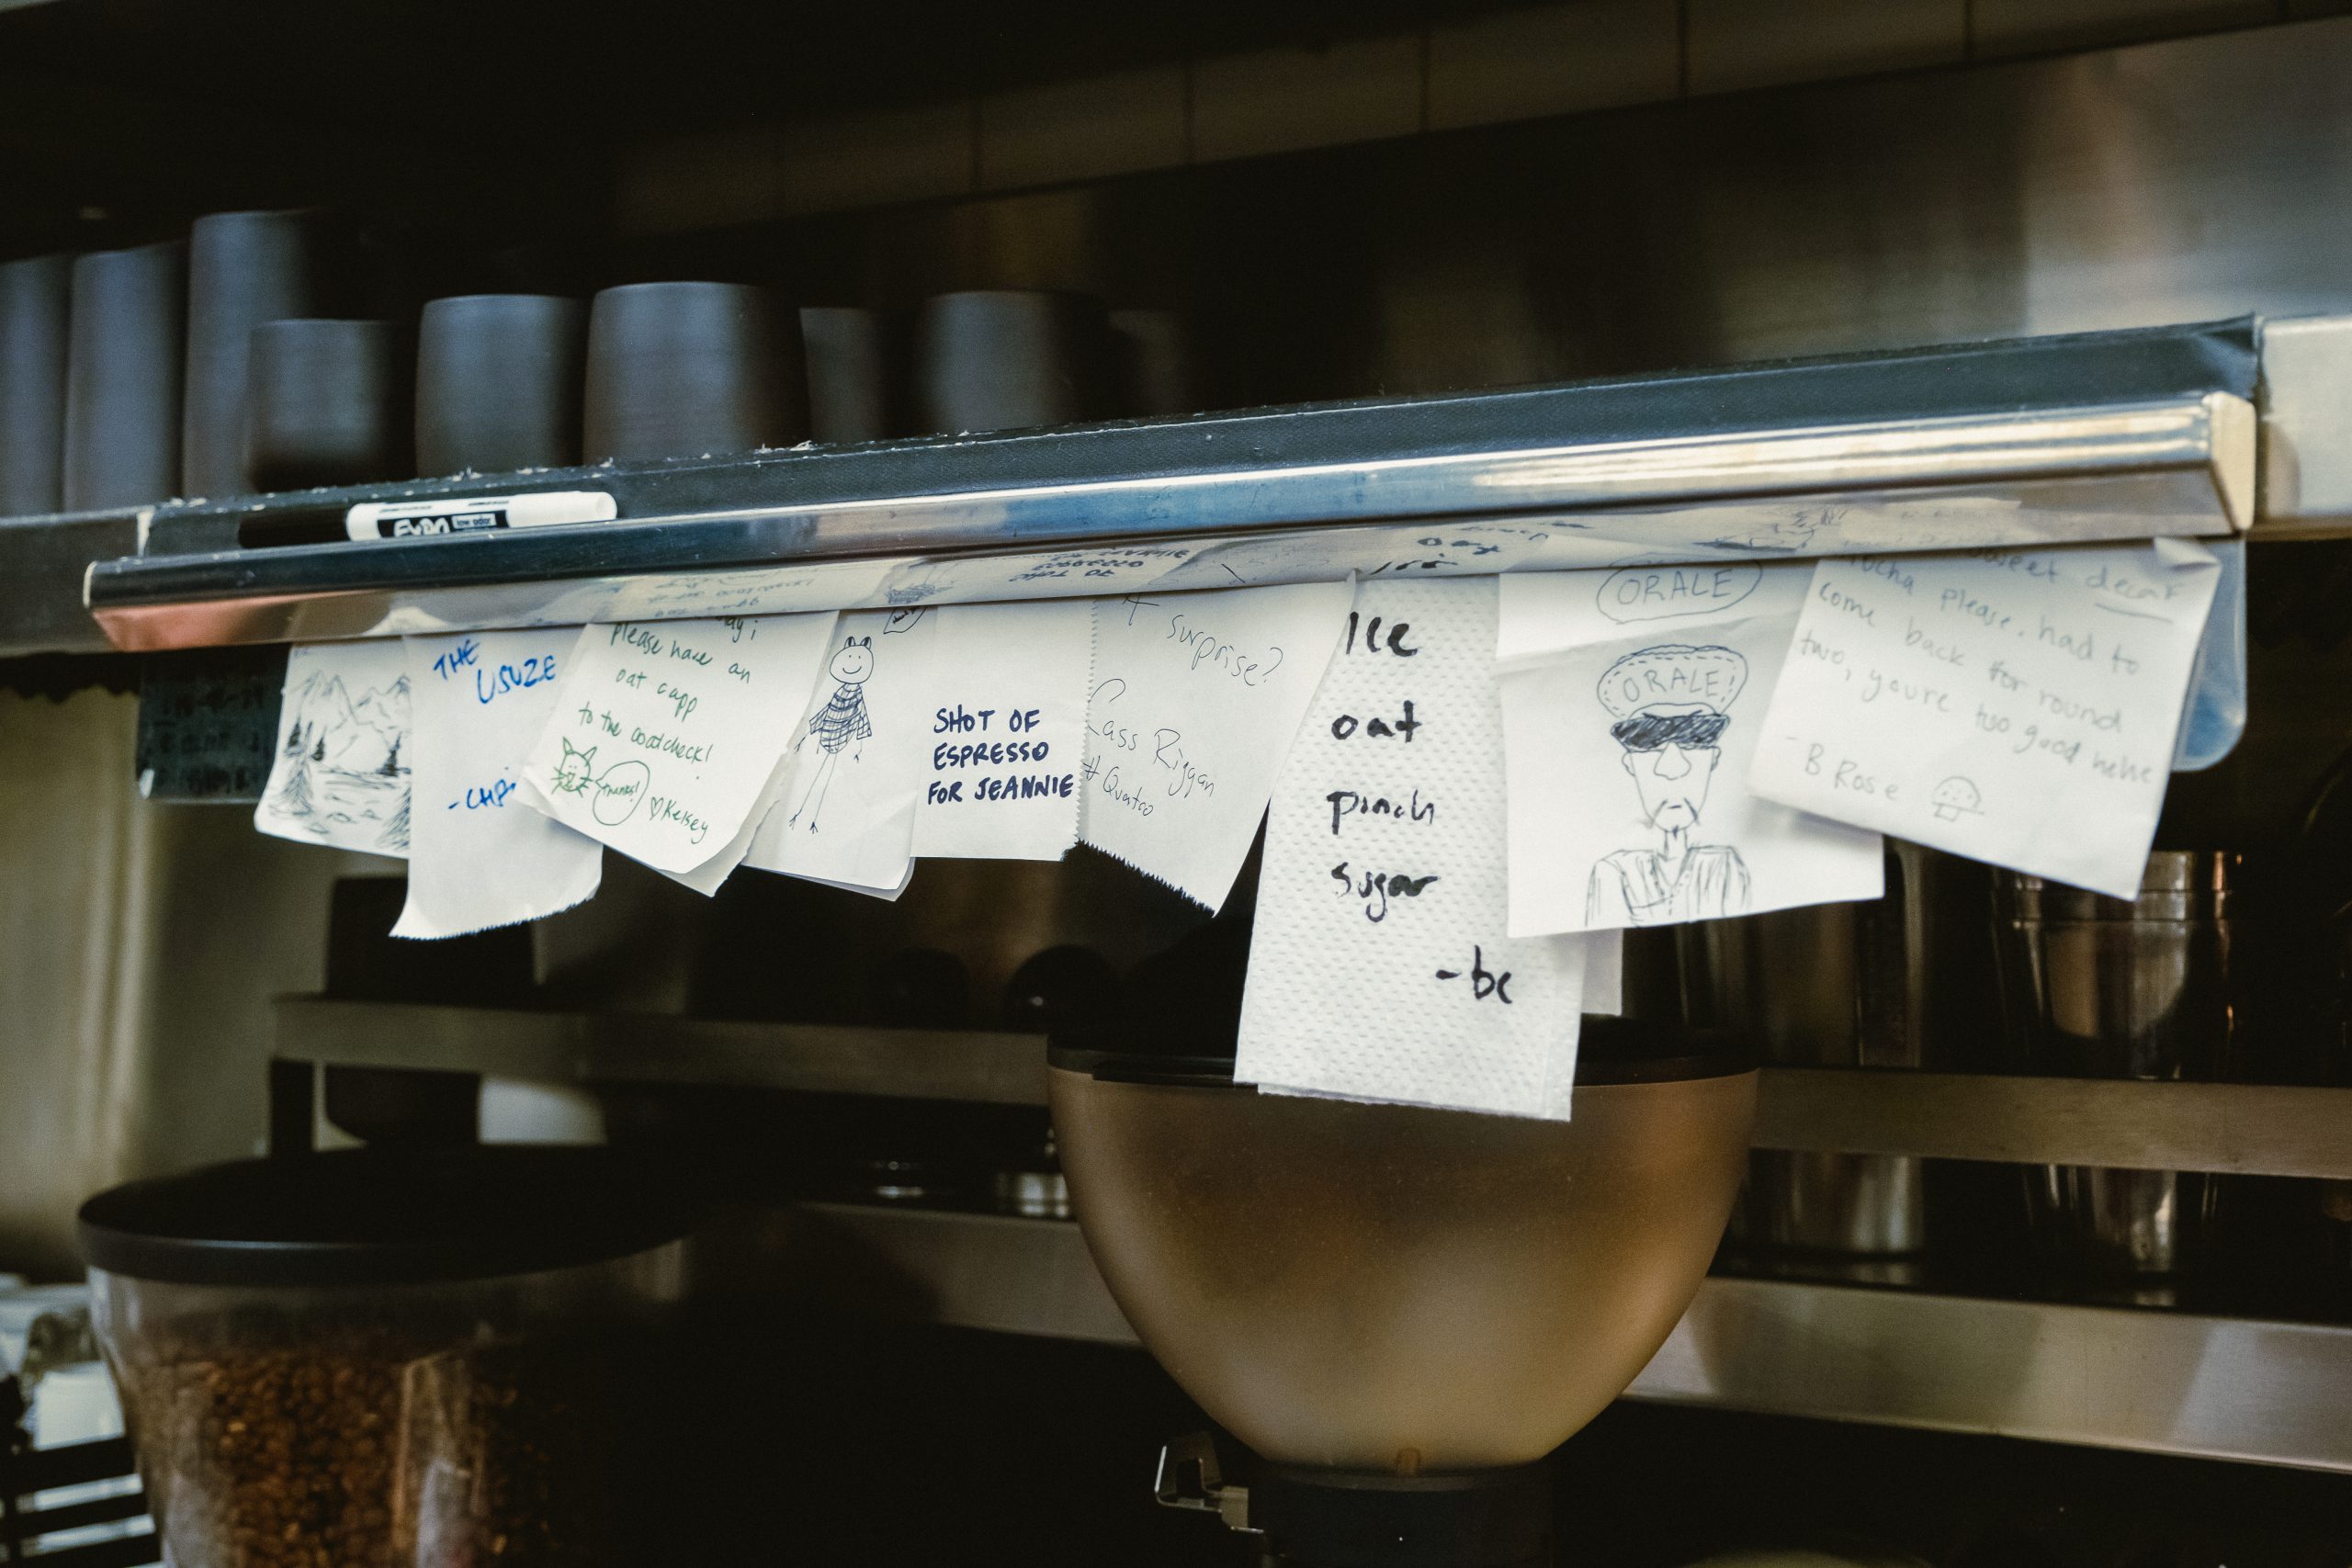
{"x":754,"y":590}
{"x":478,"y":856}
{"x":665,"y":734}
{"x":340,"y":775}
{"x":1005,"y":723}
{"x":1196,"y":699}
{"x":1381,"y":969}
{"x":2016,"y":706}
{"x":860,"y":762}
{"x":208,"y":724}
{"x":1096,"y":571}
{"x":711,"y":875}
{"x":1047,"y":574}
{"x":1633,"y":701}
{"x":702,"y":594}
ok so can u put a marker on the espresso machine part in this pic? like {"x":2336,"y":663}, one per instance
{"x":2147,"y":989}
{"x":1321,"y":1518}
{"x":1399,"y":1311}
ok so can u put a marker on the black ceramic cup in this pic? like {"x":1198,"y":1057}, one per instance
{"x":32,"y":383}
{"x":849,"y":373}
{"x":328,"y":404}
{"x":689,"y":370}
{"x":1006,"y":359}
{"x":498,"y":383}
{"x":122,"y":377}
{"x":244,"y":268}
{"x":1158,"y":377}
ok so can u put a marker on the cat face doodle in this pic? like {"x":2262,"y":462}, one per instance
{"x":572,"y":775}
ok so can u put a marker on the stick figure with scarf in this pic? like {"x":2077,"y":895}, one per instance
{"x":841,"y":724}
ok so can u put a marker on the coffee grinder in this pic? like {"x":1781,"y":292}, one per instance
{"x":1398,"y":1311}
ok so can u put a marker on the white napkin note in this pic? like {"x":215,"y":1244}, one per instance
{"x":1004,"y":723}
{"x":1196,"y":699}
{"x":1380,"y":969}
{"x":665,"y":734}
{"x":1633,"y":701}
{"x":2016,"y":706}
{"x":341,"y":774}
{"x":478,"y":856}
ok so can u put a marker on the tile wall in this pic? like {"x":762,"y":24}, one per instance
{"x":1525,"y":63}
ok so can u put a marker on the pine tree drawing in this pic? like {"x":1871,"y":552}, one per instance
{"x":394,"y":836}
{"x":391,"y":768}
{"x":294,"y":797}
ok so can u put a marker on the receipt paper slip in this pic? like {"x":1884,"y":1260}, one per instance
{"x":478,"y":855}
{"x":1004,"y":717}
{"x":859,"y":760}
{"x":1631,"y":711}
{"x":711,"y":875}
{"x":666,"y":734}
{"x":1196,"y":699}
{"x":2015,"y":706}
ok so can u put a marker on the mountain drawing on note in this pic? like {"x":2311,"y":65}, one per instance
{"x":340,"y":774}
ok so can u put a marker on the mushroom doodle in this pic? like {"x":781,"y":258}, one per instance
{"x":1956,"y":797}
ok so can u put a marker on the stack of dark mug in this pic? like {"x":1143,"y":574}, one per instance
{"x":230,"y":363}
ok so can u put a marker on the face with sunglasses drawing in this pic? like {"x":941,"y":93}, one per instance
{"x":1669,"y":706}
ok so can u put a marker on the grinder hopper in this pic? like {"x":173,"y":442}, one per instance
{"x":1399,"y":1310}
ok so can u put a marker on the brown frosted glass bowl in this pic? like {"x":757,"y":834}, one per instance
{"x":1384,"y":1288}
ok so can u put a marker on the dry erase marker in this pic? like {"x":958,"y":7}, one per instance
{"x":477,"y":514}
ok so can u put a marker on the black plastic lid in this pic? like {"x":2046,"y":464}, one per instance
{"x":385,"y":1216}
{"x":1610,"y":1051}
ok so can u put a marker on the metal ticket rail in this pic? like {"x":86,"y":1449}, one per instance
{"x":2103,"y":437}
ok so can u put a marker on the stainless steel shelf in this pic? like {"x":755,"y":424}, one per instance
{"x":2246,"y":1129}
{"x":2306,"y":450}
{"x":560,"y":1047}
{"x":2109,"y":435}
{"x":43,"y":563}
{"x":2159,"y":1382}
{"x":992,"y":1272}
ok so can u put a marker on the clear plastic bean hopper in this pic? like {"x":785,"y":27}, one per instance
{"x":387,"y":1357}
